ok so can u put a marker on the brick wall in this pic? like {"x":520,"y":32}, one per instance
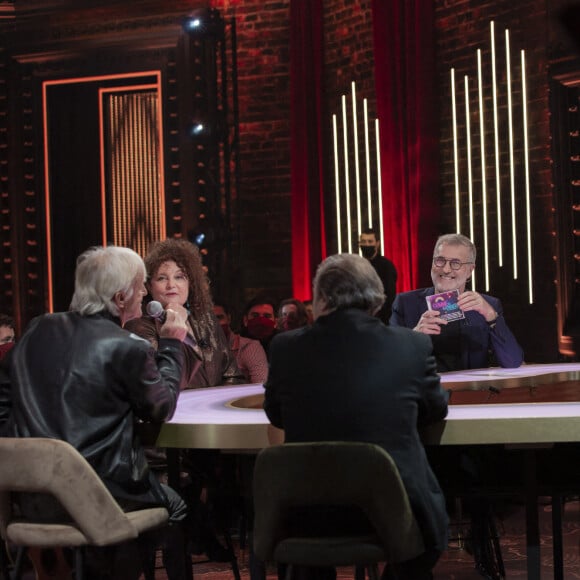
{"x":263,"y":40}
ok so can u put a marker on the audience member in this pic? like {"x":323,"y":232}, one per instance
{"x":466,"y":343}
{"x":81,"y":377}
{"x":369,"y":245}
{"x":259,"y":320}
{"x":7,"y":334}
{"x":364,"y":382}
{"x":291,"y":314}
{"x":176,"y":276}
{"x":249,"y":353}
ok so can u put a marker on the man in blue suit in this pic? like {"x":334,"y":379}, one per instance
{"x":466,"y":343}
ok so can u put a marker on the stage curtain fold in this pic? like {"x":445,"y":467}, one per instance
{"x":307,"y":213}
{"x":405,"y":81}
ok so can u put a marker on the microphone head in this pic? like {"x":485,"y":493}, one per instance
{"x":155,"y":310}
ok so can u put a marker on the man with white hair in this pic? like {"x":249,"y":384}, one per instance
{"x":364,"y":381}
{"x":80,"y":377}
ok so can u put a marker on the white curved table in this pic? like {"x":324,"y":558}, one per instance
{"x":218,"y":419}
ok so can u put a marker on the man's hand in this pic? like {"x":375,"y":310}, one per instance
{"x":430,"y":322}
{"x":175,"y":325}
{"x":474,"y":301}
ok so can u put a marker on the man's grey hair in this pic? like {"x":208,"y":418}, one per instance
{"x":101,"y":272}
{"x":456,"y":240}
{"x":349,"y":281}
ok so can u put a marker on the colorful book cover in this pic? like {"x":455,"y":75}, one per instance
{"x":446,"y":303}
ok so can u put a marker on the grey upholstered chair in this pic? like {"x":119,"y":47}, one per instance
{"x":299,"y":476}
{"x":55,"y":467}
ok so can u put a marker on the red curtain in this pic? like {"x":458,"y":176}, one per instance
{"x":405,"y":81}
{"x":308,"y":229}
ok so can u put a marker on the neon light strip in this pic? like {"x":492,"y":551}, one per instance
{"x":368,"y":163}
{"x":455,"y":155}
{"x":469,"y":169}
{"x":346,"y":175}
{"x":336,"y":183}
{"x":511,"y":151}
{"x":47,"y":192}
{"x":496,"y":146}
{"x":527,"y":177}
{"x":356,"y":164}
{"x":380,"y":186}
{"x":484,"y":209}
{"x":50,"y":294}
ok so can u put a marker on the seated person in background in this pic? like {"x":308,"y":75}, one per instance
{"x":470,"y":343}
{"x":176,"y":276}
{"x":365,"y":382}
{"x":467,"y":343}
{"x":6,"y":334}
{"x":259,"y":320}
{"x":79,"y":376}
{"x":249,"y":353}
{"x":291,"y":314}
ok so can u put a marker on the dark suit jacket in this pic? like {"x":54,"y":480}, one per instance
{"x":348,"y":377}
{"x":388,"y":275}
{"x":477,"y":337}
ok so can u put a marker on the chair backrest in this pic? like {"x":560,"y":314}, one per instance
{"x":57,"y":468}
{"x":333,"y":474}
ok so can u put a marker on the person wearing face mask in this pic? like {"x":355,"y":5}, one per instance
{"x":369,"y":246}
{"x":291,"y":314}
{"x":259,"y":320}
{"x":6,"y":334}
{"x":249,"y":353}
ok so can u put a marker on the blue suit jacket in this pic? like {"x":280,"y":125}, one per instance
{"x":478,"y":338}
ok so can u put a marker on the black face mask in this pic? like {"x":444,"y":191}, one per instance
{"x":368,"y":251}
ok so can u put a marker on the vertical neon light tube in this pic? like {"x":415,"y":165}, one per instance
{"x":336,"y":183}
{"x":455,"y":154}
{"x":346,"y":174}
{"x":368,"y":164}
{"x":380,"y":186}
{"x":469,"y":169}
{"x":356,"y":164}
{"x":527,"y":177}
{"x":483,"y":172}
{"x":496,"y":146}
{"x":511,"y":151}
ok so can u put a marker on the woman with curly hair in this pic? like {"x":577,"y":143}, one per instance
{"x":175,"y":275}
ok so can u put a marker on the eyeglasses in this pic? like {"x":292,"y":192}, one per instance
{"x":454,"y":264}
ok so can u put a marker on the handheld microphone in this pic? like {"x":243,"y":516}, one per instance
{"x":156,"y":311}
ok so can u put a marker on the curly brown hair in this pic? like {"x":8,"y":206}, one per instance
{"x":186,"y":255}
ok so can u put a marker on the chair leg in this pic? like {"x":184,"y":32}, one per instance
{"x":4,"y":570}
{"x":20,"y":555}
{"x":359,"y":572}
{"x":79,"y":564}
{"x":234,"y":560}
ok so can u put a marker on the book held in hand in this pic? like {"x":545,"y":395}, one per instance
{"x":446,"y":304}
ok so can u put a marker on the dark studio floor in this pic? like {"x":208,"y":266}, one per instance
{"x":457,"y":563}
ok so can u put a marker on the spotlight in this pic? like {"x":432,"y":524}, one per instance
{"x":193,"y":23}
{"x":197,"y":129}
